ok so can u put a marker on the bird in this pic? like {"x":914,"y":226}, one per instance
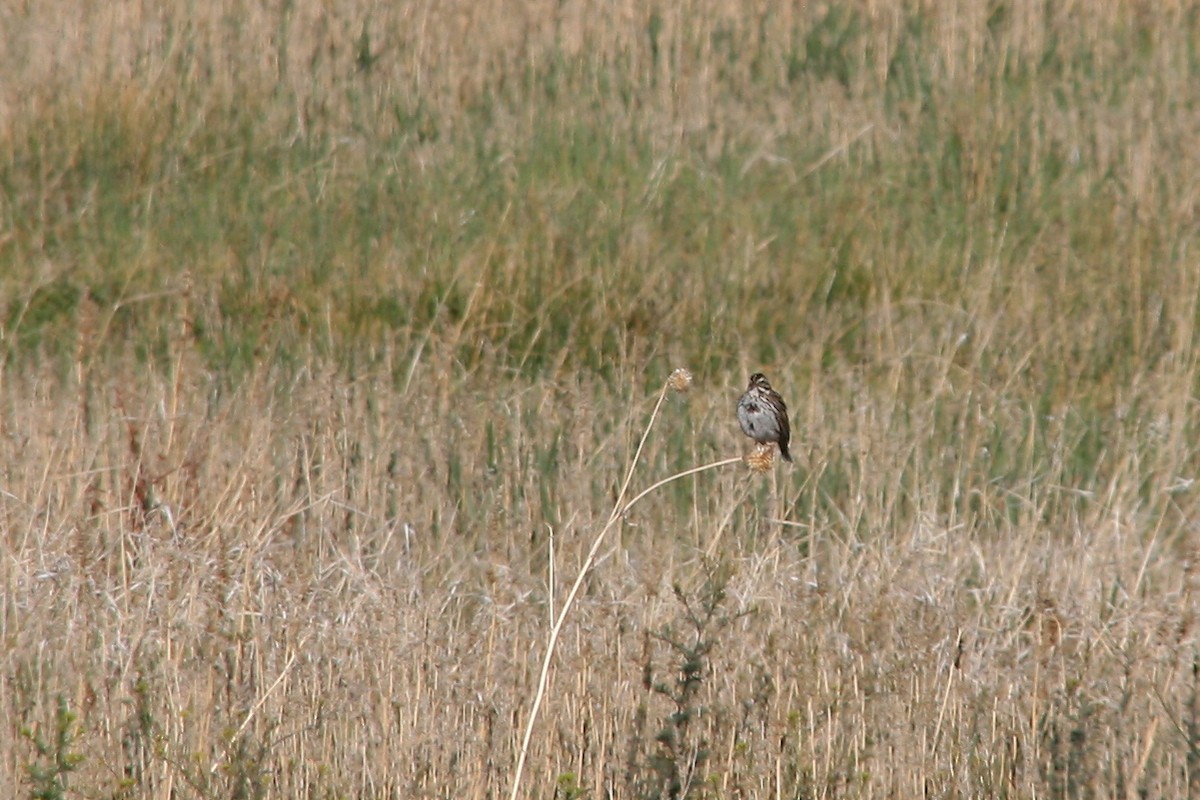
{"x":763,"y":415}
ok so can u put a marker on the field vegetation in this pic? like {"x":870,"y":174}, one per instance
{"x":329,"y":333}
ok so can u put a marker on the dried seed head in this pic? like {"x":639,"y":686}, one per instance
{"x":680,"y":380}
{"x":761,"y":458}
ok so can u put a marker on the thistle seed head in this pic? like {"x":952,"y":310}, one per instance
{"x":680,"y":380}
{"x":761,"y":458}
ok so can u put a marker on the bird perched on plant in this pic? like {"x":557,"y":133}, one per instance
{"x":763,"y":414}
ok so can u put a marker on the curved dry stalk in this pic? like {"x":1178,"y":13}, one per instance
{"x":637,"y":454}
{"x":723,"y":462}
{"x":543,"y":678}
{"x":619,"y":511}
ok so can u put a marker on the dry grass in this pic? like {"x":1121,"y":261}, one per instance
{"x":282,"y":596}
{"x":328,"y":336}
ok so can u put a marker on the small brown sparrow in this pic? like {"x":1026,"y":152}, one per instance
{"x":763,"y":414}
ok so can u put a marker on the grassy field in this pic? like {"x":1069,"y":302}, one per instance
{"x":329,"y":333}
